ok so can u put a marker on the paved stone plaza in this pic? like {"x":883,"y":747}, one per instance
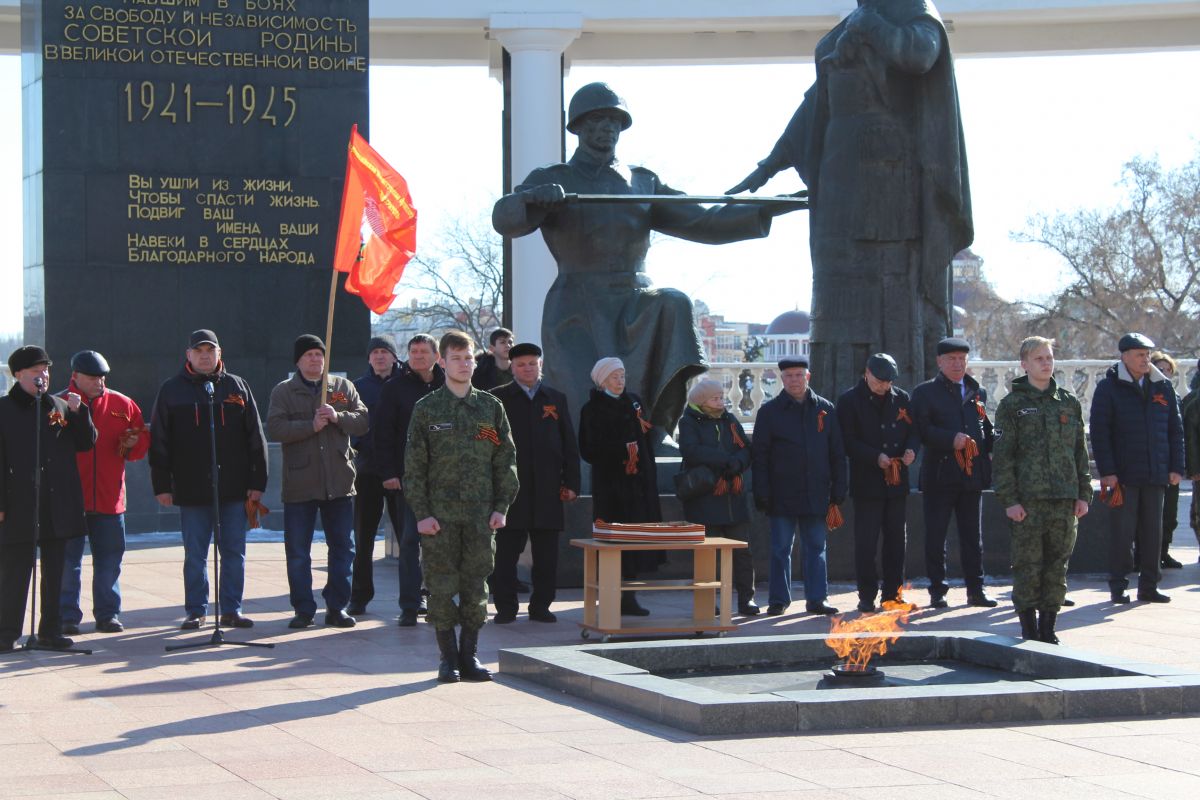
{"x":357,"y":714}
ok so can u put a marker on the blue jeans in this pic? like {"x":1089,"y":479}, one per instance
{"x":106,"y":535}
{"x":409,"y":557}
{"x":299,"y":521}
{"x":812,"y":545}
{"x":197,"y":525}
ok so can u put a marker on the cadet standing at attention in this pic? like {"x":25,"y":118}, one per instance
{"x":460,"y":470}
{"x":1042,"y":479}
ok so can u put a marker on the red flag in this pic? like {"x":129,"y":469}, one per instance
{"x":377,"y":231}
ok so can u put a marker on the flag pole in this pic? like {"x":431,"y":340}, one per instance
{"x":333,"y":277}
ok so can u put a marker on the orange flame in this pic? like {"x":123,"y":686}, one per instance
{"x":883,"y":629}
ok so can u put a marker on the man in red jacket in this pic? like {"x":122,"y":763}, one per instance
{"x":121,"y":435}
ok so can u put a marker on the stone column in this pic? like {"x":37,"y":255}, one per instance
{"x":535,"y":43}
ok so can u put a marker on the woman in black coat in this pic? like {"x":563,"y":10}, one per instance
{"x":613,"y":438}
{"x":710,"y":436}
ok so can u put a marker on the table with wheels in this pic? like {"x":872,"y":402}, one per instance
{"x":602,"y":587}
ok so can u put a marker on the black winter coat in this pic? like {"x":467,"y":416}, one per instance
{"x":1136,"y":435}
{"x":547,"y":455}
{"x":871,"y":428}
{"x":798,"y":456}
{"x":606,"y":425}
{"x":370,"y":388}
{"x":389,"y":419}
{"x":488,"y":375}
{"x":720,"y":444}
{"x":180,"y":448}
{"x":62,"y":494}
{"x":941,"y":413}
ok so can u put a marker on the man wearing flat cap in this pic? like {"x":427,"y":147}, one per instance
{"x":881,"y":442}
{"x":957,"y":435}
{"x":31,"y":420}
{"x":799,"y":466}
{"x":1137,"y":442}
{"x":181,"y":471}
{"x":314,"y":423}
{"x":548,"y":472}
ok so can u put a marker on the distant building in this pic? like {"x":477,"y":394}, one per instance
{"x":788,"y":334}
{"x":723,"y":341}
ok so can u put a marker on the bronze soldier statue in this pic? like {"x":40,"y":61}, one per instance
{"x":878,"y":141}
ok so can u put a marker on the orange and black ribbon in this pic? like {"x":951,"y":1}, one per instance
{"x":726,"y":486}
{"x":236,"y":400}
{"x":902,"y":416}
{"x":645,"y":426}
{"x":129,"y":438}
{"x":1112,"y":497}
{"x":338,"y":397}
{"x":891,"y":475}
{"x":488,"y":433}
{"x":57,"y":420}
{"x":980,"y":410}
{"x":550,"y":411}
{"x":255,"y":511}
{"x":966,"y":456}
{"x":1158,"y":398}
{"x":833,"y":517}
{"x":121,"y":415}
{"x":631,"y":465}
{"x":821,"y":420}
{"x":737,"y":437}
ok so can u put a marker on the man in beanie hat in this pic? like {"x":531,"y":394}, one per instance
{"x":181,"y":470}
{"x":1137,"y":441}
{"x":318,"y":477}
{"x":370,"y":496}
{"x":63,"y":427}
{"x":121,"y":435}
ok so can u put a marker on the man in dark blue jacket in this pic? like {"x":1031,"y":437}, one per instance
{"x":370,"y":497}
{"x":957,"y":467}
{"x":1137,"y":441}
{"x":420,"y":376}
{"x":799,"y":470}
{"x":881,"y":441}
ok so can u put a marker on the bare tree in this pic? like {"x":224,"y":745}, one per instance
{"x":1134,"y":267}
{"x":460,"y":279}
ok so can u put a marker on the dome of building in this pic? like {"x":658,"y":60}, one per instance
{"x":790,"y":322}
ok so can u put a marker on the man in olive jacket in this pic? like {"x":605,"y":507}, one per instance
{"x":1044,"y":483}
{"x":318,"y":476}
{"x":63,"y":428}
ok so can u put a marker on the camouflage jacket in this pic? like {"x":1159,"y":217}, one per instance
{"x":1040,"y":452}
{"x":460,"y":463}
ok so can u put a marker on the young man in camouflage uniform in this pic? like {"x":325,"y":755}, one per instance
{"x":1042,"y":479}
{"x":460,"y":470}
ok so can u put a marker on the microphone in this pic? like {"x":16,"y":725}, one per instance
{"x":208,"y":387}
{"x":40,"y":383}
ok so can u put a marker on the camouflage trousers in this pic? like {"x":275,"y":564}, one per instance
{"x":1041,"y":547}
{"x":457,"y":562}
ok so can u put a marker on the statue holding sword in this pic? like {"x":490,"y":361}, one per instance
{"x":596,"y":215}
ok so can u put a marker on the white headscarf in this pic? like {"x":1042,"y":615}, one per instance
{"x":605,"y":367}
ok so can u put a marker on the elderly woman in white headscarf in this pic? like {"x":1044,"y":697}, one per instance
{"x":613,"y":438}
{"x":714,"y":444}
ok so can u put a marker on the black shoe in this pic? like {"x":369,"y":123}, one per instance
{"x":866,"y":606}
{"x":504,"y":617}
{"x":542,"y":616}
{"x":938,"y":601}
{"x":820,"y":608}
{"x":981,"y":600}
{"x":1152,"y":596}
{"x":71,"y":629}
{"x":301,"y":621}
{"x":111,"y":625}
{"x":749,"y":609}
{"x":59,"y":642}
{"x":408,"y":618}
{"x":630,"y":606}
{"x":522,"y":587}
{"x":448,"y":666}
{"x":1029,"y":625}
{"x":1120,"y":598}
{"x":354,"y":609}
{"x":1170,"y":563}
{"x":468,"y":661}
{"x":339,"y":619}
{"x":192,"y":622}
{"x":236,"y":620}
{"x":1045,"y":627}
{"x":1068,"y":602}
{"x":776,"y":609}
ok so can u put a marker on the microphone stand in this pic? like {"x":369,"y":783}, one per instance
{"x":218,"y":636}
{"x":32,"y":642}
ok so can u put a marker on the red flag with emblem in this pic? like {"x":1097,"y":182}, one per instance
{"x":377,"y":230}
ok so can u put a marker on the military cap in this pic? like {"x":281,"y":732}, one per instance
{"x":89,"y":362}
{"x":28,"y":356}
{"x":883,"y":367}
{"x":953,"y":344}
{"x":524,"y":349}
{"x":792,"y":362}
{"x":1135,"y":341}
{"x":202,"y":336}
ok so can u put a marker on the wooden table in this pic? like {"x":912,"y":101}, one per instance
{"x":602,"y":587}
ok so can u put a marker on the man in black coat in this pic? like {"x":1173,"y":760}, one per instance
{"x":493,"y":369}
{"x":957,"y":467}
{"x":881,"y":441}
{"x":420,"y":376}
{"x":370,"y":498}
{"x":548,"y":471}
{"x":62,"y":427}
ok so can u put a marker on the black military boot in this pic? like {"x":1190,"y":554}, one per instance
{"x":1029,"y":625}
{"x":468,"y":662}
{"x":448,"y":668}
{"x":1045,"y":628}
